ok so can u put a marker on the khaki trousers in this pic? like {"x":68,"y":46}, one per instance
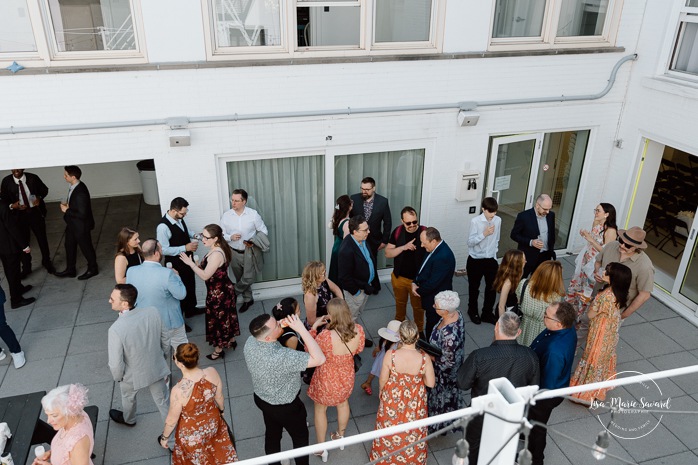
{"x":402,"y":289}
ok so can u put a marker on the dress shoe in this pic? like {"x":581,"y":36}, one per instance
{"x":194,"y":312}
{"x":66,"y":274}
{"x":23,"y":302}
{"x":368,"y":343}
{"x":87,"y":275}
{"x":118,"y":417}
{"x":246,"y":306}
{"x":488,"y":318}
{"x":49,"y":268}
{"x":187,"y":328}
{"x":26,"y":288}
{"x":216,"y":355}
{"x":475,"y":318}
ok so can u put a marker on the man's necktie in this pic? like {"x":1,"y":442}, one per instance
{"x":23,"y":193}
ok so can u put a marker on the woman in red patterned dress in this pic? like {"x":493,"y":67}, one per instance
{"x":196,"y":411}
{"x":405,"y":375}
{"x":333,"y":381}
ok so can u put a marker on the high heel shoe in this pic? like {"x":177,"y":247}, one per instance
{"x":334,"y":436}
{"x":216,"y":355}
{"x":323,"y":455}
{"x":234,"y":345}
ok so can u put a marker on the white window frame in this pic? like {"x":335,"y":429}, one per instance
{"x":687,"y":15}
{"x":548,"y":38}
{"x":289,"y":47}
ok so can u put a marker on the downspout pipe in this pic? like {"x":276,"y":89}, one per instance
{"x":182,"y":121}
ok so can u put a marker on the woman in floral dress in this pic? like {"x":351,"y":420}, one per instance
{"x":598,"y":362}
{"x":449,"y":335}
{"x":196,"y":412}
{"x":603,"y":231}
{"x":405,"y":375}
{"x":221,"y":315}
{"x":333,"y":381}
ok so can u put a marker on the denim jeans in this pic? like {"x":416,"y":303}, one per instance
{"x":7,"y":334}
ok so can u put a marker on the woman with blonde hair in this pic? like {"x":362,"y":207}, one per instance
{"x":317,"y":291}
{"x":333,"y":381}
{"x":405,"y":375}
{"x":221,"y":315}
{"x":128,"y":253}
{"x":507,"y":279}
{"x":340,"y":228}
{"x":535,"y":294}
{"x":196,"y":414}
{"x":74,"y":440}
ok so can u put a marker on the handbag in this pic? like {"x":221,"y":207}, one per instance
{"x":517,"y":308}
{"x":357,"y":359}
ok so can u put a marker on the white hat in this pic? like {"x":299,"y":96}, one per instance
{"x":392,"y":332}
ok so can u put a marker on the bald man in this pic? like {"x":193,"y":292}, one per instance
{"x":534,"y":232}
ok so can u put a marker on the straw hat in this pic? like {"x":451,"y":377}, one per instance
{"x":634,"y":237}
{"x":392,"y":332}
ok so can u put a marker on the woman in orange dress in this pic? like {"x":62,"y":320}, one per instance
{"x":196,"y":411}
{"x":333,"y":381}
{"x":599,"y":360}
{"x":405,"y":375}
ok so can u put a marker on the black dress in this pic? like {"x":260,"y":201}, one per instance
{"x":221,"y":316}
{"x":133,"y":259}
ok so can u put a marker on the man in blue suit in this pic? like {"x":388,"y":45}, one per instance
{"x":534,"y":231}
{"x":435,"y":274}
{"x":161,"y":288}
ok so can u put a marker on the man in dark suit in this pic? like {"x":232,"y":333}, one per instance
{"x":376,"y":210}
{"x":79,"y":224}
{"x":357,"y":271}
{"x":435,"y":274}
{"x":12,"y":244}
{"x":534,"y":231}
{"x":25,"y":193}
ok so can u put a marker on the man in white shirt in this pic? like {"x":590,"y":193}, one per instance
{"x":483,"y":242}
{"x":240,"y":224}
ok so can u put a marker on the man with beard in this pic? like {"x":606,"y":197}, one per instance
{"x":376,"y":210}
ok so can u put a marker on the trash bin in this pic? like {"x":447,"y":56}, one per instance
{"x":149,"y":181}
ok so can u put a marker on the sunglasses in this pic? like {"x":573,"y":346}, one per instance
{"x":625,"y":244}
{"x":411,"y":223}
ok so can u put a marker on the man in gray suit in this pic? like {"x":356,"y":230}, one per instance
{"x":161,"y":288}
{"x":137,"y":347}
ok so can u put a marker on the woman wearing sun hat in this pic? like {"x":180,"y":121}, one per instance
{"x":628,"y":250}
{"x":388,"y":336}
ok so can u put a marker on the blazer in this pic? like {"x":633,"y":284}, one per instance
{"x":353,"y":267}
{"x":9,"y":191}
{"x":437,"y":273}
{"x":526,"y":229}
{"x":379,"y":214}
{"x":11,"y":238}
{"x":137,"y":346}
{"x":79,"y":217}
{"x":161,"y":288}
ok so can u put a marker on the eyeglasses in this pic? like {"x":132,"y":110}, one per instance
{"x":365,"y":230}
{"x":547,"y":317}
{"x":541,"y":207}
{"x":411,"y":223}
{"x":367,"y":190}
{"x":206,"y":237}
{"x":599,"y":210}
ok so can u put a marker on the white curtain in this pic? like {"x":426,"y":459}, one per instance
{"x":402,"y":21}
{"x":398,"y":177}
{"x":518,"y":18}
{"x":16,"y":34}
{"x":289,"y":194}
{"x":582,"y":18}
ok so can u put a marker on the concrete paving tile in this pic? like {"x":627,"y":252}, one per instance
{"x":624,"y":353}
{"x":682,"y":425}
{"x":164,"y":460}
{"x":553,"y":453}
{"x":238,"y":379}
{"x":375,"y":319}
{"x":250,"y":448}
{"x":684,"y":458}
{"x":89,"y":368}
{"x":680,"y":331}
{"x":659,"y":443}
{"x":51,"y":317}
{"x":362,"y":404}
{"x":46,"y":344}
{"x":654,"y":310}
{"x":668,"y":387}
{"x":141,"y":440}
{"x":648,"y":340}
{"x":569,"y":411}
{"x":17,"y":319}
{"x":58,"y":291}
{"x":247,"y":418}
{"x":4,"y":367}
{"x":95,"y":311}
{"x":689,"y":383}
{"x":89,"y":338}
{"x":482,"y":334}
{"x":144,"y":401}
{"x":383,"y":299}
{"x":100,"y":441}
{"x":633,"y":319}
{"x":41,"y":375}
{"x":584,"y":430}
{"x":101,"y":394}
{"x":460,"y":285}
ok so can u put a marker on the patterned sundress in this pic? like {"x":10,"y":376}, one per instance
{"x":221,"y":316}
{"x":583,"y":277}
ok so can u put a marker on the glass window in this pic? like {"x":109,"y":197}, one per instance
{"x":686,"y":53}
{"x":692,"y":3}
{"x":582,"y":18}
{"x":247,"y":23}
{"x":16,"y":34}
{"x":562,"y":160}
{"x":289,"y":194}
{"x":88,"y":25}
{"x":328,"y":26}
{"x":398,"y":176}
{"x":518,"y":18}
{"x":402,"y":21}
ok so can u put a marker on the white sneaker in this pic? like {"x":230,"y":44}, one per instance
{"x":3,"y":355}
{"x":18,"y":359}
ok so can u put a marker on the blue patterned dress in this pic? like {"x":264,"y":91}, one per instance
{"x":445,"y":395}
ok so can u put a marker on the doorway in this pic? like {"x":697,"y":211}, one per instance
{"x":523,"y":166}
